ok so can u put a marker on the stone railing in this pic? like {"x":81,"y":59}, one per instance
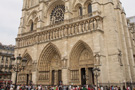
{"x":68,"y":28}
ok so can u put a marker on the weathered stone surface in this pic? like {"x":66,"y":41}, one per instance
{"x":48,"y":40}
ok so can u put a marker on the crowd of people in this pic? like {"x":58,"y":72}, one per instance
{"x":62,"y":87}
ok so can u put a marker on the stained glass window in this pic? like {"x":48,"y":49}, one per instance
{"x":57,"y":14}
{"x":89,"y":8}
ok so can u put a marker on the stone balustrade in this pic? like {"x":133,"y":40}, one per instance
{"x":67,"y":28}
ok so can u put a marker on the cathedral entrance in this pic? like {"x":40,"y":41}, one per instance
{"x":81,"y":64}
{"x":25,"y":77}
{"x":59,"y":77}
{"x":50,"y":66}
{"x":90,"y":76}
{"x":83,"y":76}
{"x":56,"y":77}
{"x":28,"y":79}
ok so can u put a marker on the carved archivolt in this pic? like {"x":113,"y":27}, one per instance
{"x":49,"y":60}
{"x":81,"y":55}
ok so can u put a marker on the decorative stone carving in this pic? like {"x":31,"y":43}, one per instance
{"x":43,"y":76}
{"x":34,"y":65}
{"x":57,"y":14}
{"x":120,"y":57}
{"x":64,"y":62}
{"x":97,"y":59}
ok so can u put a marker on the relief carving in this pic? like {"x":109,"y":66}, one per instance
{"x":44,"y":76}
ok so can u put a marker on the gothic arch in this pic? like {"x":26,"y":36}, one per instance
{"x":27,"y":56}
{"x":32,"y":16}
{"x":86,"y":4}
{"x":46,"y":58}
{"x":77,"y":9}
{"x":27,"y":72}
{"x":78,"y":5}
{"x":48,"y":64}
{"x":29,"y":59}
{"x":78,"y":50}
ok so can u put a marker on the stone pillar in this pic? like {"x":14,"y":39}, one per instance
{"x":34,"y":72}
{"x":64,"y":76}
{"x":64,"y":71}
{"x":34,"y":77}
{"x":87,"y":76}
{"x":56,"y":77}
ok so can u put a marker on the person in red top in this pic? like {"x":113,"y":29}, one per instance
{"x":89,"y":88}
{"x":57,"y":88}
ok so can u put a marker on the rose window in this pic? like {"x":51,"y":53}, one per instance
{"x":57,"y":14}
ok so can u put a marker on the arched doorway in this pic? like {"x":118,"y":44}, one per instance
{"x":49,"y":66}
{"x":81,"y":64}
{"x":25,"y":76}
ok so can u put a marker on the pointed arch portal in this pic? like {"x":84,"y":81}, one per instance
{"x":49,"y":66}
{"x":25,"y":77}
{"x":81,"y":64}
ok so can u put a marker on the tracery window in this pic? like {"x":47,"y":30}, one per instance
{"x":89,"y":8}
{"x":57,"y":14}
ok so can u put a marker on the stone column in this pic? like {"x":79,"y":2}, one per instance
{"x":56,"y":77}
{"x":87,"y":76}
{"x":34,"y":72}
{"x":64,"y":71}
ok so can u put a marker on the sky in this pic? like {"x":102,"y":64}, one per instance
{"x":10,"y":14}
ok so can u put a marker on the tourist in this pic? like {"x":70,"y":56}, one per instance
{"x":29,"y":87}
{"x":18,"y":87}
{"x":57,"y":88}
{"x":40,"y":87}
{"x":84,"y":88}
{"x":102,"y":88}
{"x":11,"y":88}
{"x":89,"y":88}
{"x":119,"y":88}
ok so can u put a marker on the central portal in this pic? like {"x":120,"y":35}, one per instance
{"x":89,"y":74}
{"x":56,"y":77}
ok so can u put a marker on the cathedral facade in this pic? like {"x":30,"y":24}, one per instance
{"x":63,"y":40}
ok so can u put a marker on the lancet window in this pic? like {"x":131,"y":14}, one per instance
{"x":32,"y":25}
{"x":80,"y":11}
{"x":89,"y":8}
{"x":57,"y":14}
